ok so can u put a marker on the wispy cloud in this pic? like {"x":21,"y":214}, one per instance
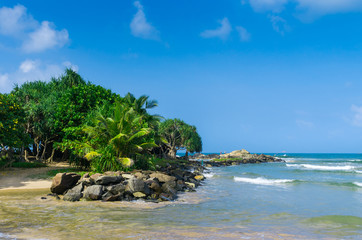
{"x":31,"y":70}
{"x":17,"y":23}
{"x":268,"y":5}
{"x":357,"y":118}
{"x":279,"y":24}
{"x":140,"y":27}
{"x":244,"y":35}
{"x":221,"y":32}
{"x":307,"y":10}
{"x":304,"y":124}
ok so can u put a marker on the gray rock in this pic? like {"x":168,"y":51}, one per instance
{"x":140,"y":175}
{"x":137,"y":185}
{"x":116,"y":189}
{"x":105,"y":180}
{"x":162,"y":177}
{"x":93,"y":192}
{"x":154,"y":185}
{"x":170,"y":188}
{"x":64,"y":181}
{"x":94,"y":177}
{"x":109,"y":197}
{"x":74,"y":194}
{"x":127,"y":176}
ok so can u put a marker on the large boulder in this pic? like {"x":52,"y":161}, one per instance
{"x":74,"y":194}
{"x":105,"y":180}
{"x":162,"y":177}
{"x":154,"y":185}
{"x":116,"y":189}
{"x":64,"y":181}
{"x":109,"y":197}
{"x":137,"y":185}
{"x":170,"y":188}
{"x":94,"y":177}
{"x":93,"y":192}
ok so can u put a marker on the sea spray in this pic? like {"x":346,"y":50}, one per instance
{"x":263,"y":181}
{"x":321,"y":167}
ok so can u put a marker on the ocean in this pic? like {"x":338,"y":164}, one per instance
{"x":310,"y":196}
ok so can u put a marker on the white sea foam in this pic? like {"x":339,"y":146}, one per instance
{"x":208,"y":175}
{"x":263,"y":181}
{"x":358,"y":171}
{"x":359,"y":184}
{"x":289,"y":159}
{"x":322,"y":167}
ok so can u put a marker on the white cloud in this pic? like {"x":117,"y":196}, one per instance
{"x":36,"y":37}
{"x":14,"y":21}
{"x":140,"y":27}
{"x":268,"y":5}
{"x":27,"y":66}
{"x":310,"y":9}
{"x":279,"y":24}
{"x":222,"y":32}
{"x":304,"y":124}
{"x":45,"y":37}
{"x":357,"y":118}
{"x":307,"y":10}
{"x":32,"y":70}
{"x":243,"y":33}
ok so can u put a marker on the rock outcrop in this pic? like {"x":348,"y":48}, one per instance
{"x":64,"y":181}
{"x":154,"y":186}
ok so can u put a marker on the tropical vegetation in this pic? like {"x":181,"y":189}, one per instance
{"x":73,"y":120}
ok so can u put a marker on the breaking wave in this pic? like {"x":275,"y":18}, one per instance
{"x":321,"y":167}
{"x":263,"y":181}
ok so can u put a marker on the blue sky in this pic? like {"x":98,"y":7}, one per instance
{"x":265,"y":75}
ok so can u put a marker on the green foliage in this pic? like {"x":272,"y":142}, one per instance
{"x":112,"y":142}
{"x":27,"y":165}
{"x":12,"y":115}
{"x":180,"y":135}
{"x":56,"y":111}
{"x":87,"y":125}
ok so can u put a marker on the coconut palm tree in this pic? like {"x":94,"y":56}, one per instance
{"x":119,"y":138}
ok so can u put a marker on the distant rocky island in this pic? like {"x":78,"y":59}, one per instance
{"x":234,"y":158}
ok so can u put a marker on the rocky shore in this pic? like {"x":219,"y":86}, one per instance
{"x":234,"y":158}
{"x":153,"y":186}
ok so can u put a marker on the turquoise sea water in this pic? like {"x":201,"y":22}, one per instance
{"x":310,"y":196}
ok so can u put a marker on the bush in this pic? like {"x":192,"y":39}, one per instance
{"x":27,"y":165}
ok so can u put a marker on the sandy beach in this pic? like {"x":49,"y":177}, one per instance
{"x":17,"y":178}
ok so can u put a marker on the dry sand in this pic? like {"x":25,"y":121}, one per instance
{"x":17,"y":178}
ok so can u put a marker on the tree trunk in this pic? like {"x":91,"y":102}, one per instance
{"x":172,"y":153}
{"x":37,"y":148}
{"x":50,"y":159}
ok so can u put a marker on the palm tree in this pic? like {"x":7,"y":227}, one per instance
{"x":120,"y":137}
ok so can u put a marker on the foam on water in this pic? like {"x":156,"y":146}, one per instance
{"x":209,"y":175}
{"x":321,"y":167}
{"x":263,"y":181}
{"x":359,"y":184}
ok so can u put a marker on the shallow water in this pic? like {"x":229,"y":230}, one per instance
{"x":309,"y":197}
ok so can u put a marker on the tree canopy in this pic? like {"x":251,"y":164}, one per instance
{"x":70,"y":118}
{"x":180,"y":136}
